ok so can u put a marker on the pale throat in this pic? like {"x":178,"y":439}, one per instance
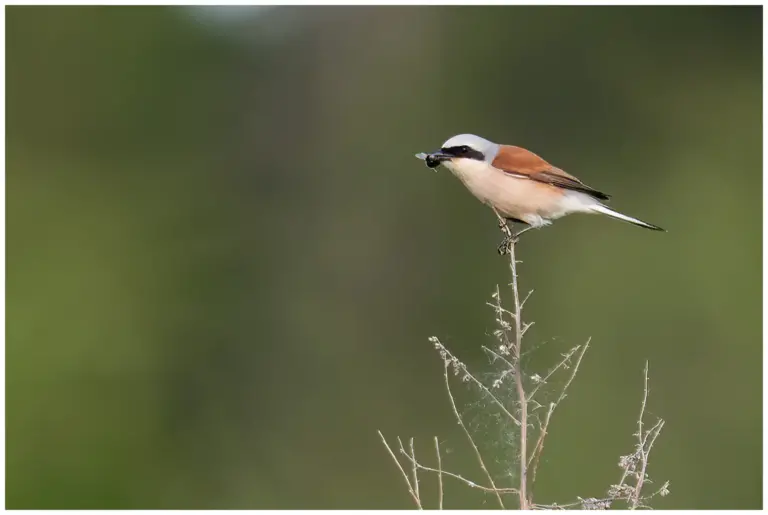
{"x":468,"y":169}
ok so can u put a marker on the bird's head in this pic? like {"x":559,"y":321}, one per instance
{"x":463,"y":146}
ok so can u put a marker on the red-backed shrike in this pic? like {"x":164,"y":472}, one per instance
{"x":519,"y":185}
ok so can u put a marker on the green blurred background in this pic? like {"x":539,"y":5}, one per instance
{"x":224,"y":261}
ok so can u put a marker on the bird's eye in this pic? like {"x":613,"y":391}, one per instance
{"x":464,"y":149}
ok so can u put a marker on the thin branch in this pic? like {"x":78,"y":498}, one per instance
{"x":566,"y":358}
{"x":662,"y":491}
{"x":439,"y":474}
{"x":642,"y":406}
{"x":509,"y":242}
{"x":526,"y":327}
{"x":536,"y":455}
{"x":402,"y":471}
{"x":452,"y":359}
{"x":415,"y":471}
{"x":500,"y":308}
{"x":581,"y":502}
{"x":630,"y":465}
{"x":498,"y":356}
{"x":654,"y":431}
{"x":469,"y":437}
{"x":464,"y":480}
{"x":503,"y":324}
{"x":493,"y":397}
{"x":519,"y":379}
{"x":526,"y":299}
{"x":573,"y":374}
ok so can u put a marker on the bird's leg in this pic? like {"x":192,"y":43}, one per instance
{"x":503,"y":247}
{"x":503,"y":225}
{"x":517,"y":235}
{"x":509,"y":239}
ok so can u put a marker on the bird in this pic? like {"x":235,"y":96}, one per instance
{"x":519,"y":185}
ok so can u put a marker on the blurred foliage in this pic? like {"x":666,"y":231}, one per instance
{"x":224,"y":261}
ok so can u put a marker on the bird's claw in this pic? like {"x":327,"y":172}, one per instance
{"x":506,"y":244}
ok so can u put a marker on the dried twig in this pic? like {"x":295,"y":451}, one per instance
{"x":402,"y":471}
{"x":459,"y":366}
{"x":644,"y":444}
{"x":439,"y":474}
{"x":518,"y":369}
{"x":563,"y":363}
{"x":510,"y":353}
{"x":469,"y":437}
{"x":634,"y":466}
{"x":415,"y":470}
{"x":464,"y":480}
{"x":536,"y":454}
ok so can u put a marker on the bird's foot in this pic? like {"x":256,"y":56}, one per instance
{"x":506,"y":244}
{"x":503,"y":247}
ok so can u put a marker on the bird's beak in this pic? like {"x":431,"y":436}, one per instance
{"x":433,"y":159}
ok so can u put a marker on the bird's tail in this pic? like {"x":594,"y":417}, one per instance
{"x":615,"y":214}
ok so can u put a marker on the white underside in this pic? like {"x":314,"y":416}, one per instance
{"x":533,"y":202}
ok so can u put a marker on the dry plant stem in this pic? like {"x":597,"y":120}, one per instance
{"x":415,"y":471}
{"x":519,"y":384}
{"x":510,"y":353}
{"x":561,"y":364}
{"x":518,"y":367}
{"x":635,"y":498}
{"x":640,"y":441}
{"x":479,"y":384}
{"x":498,"y":356}
{"x":573,"y":504}
{"x":439,"y":475}
{"x":464,"y":480}
{"x":469,"y":437}
{"x":493,"y":397}
{"x":402,"y":471}
{"x":633,"y":466}
{"x":653,"y":433}
{"x":510,"y":242}
{"x":536,"y":454}
{"x":533,"y":462}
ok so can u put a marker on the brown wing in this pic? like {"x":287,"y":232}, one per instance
{"x":527,"y":165}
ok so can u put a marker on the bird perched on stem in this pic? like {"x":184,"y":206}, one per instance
{"x":519,"y":185}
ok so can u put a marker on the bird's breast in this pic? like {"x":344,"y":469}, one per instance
{"x":512,"y":196}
